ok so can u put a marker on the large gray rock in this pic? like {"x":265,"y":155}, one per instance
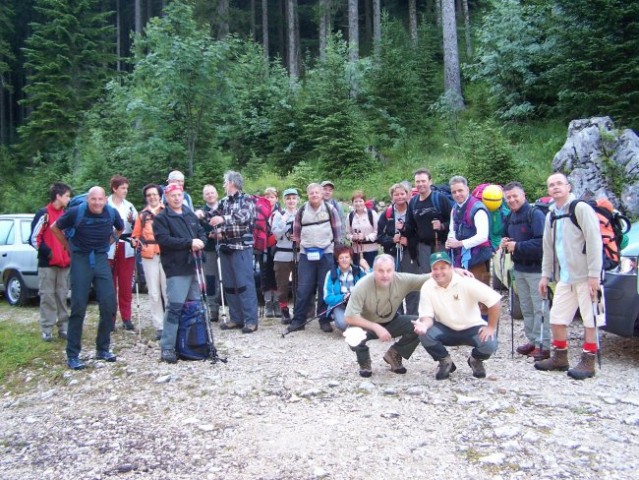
{"x":603,"y":161}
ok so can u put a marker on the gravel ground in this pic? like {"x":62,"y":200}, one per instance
{"x":295,"y":408}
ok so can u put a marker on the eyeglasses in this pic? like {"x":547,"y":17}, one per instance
{"x":385,"y":303}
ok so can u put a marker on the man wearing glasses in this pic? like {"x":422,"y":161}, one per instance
{"x":373,"y":306}
{"x":572,"y":256}
{"x":449,"y":315}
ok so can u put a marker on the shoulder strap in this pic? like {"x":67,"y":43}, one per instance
{"x":351,"y":215}
{"x":437,"y":200}
{"x":571,"y":212}
{"x":370,"y":217}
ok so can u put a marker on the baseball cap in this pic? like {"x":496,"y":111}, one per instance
{"x":290,"y":191}
{"x":440,"y":257}
{"x":328,"y":182}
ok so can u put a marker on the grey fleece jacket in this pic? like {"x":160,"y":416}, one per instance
{"x":580,"y":265}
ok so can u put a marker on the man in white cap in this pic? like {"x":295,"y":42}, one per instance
{"x":449,"y":315}
{"x":177,"y":177}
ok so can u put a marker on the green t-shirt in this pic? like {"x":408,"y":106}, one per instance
{"x":380,"y":304}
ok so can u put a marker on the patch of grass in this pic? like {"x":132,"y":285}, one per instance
{"x":21,"y":346}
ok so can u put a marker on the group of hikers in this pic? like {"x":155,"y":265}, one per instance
{"x":417,"y":271}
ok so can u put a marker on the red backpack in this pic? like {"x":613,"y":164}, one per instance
{"x":263,"y":238}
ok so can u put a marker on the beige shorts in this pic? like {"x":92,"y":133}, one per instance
{"x":567,"y":298}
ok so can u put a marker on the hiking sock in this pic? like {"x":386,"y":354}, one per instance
{"x":590,"y":347}
{"x":560,"y":344}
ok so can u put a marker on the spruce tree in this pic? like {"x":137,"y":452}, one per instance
{"x":67,"y":59}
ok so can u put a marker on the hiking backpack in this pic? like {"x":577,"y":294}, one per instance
{"x":80,"y":201}
{"x":263,"y":238}
{"x":193,"y":341}
{"x":351,"y":215}
{"x":612,"y":227}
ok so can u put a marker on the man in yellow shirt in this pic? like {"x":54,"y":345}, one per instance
{"x":449,"y":315}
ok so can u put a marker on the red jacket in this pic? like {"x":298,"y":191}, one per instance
{"x":50,"y":250}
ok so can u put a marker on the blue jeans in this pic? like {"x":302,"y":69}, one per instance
{"x":338,"y":317}
{"x":179,"y":289}
{"x":530,"y":303}
{"x":438,"y":336}
{"x":400,"y":326}
{"x":82,"y":275}
{"x":239,"y":286}
{"x":310,"y":279}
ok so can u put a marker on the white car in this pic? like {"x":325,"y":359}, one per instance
{"x":18,"y":259}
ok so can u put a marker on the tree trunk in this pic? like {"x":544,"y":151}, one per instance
{"x":282,"y":32}
{"x":252,"y":27}
{"x":293,"y":46}
{"x":452,"y":73}
{"x":138,"y":17}
{"x":469,"y":47}
{"x":265,"y":28}
{"x":377,"y":26}
{"x":222,"y":19}
{"x":118,"y":33}
{"x":353,"y":30}
{"x":438,"y":13}
{"x":324,"y":26}
{"x":412,"y":21}
{"x":3,"y":125}
{"x":368,"y":22}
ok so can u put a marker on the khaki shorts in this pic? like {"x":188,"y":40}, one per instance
{"x":567,"y":298}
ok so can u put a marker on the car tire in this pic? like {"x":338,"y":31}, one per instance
{"x":15,"y":290}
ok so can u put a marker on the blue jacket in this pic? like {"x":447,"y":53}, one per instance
{"x":333,"y":288}
{"x":529,"y":237}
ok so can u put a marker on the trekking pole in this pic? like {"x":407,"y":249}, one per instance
{"x":595,"y":311}
{"x":512,"y":323}
{"x":201,"y":280}
{"x":136,"y":276}
{"x":315,"y":317}
{"x":219,"y":271}
{"x":544,"y":303}
{"x":295,"y":265}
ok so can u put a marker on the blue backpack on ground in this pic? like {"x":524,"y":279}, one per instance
{"x":193,"y":338}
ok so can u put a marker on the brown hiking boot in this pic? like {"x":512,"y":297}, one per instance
{"x":477,"y":366}
{"x":445,"y":368}
{"x":538,"y":354}
{"x":394,"y":359}
{"x":365,"y":368}
{"x":558,"y":361}
{"x":585,"y":368}
{"x":526,"y":348}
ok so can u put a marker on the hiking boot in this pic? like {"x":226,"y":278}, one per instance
{"x":168,"y":355}
{"x":539,"y":355}
{"x":365,"y":368}
{"x":268,"y":310}
{"x":557,"y":361}
{"x":526,"y":348}
{"x":75,"y":363}
{"x":230,"y":326}
{"x":249,"y":328}
{"x":105,"y":355}
{"x":295,"y":328}
{"x":277,"y":311}
{"x":286,"y":316}
{"x":47,"y":337}
{"x":394,"y":359}
{"x":477,"y":365}
{"x":62,"y":335}
{"x":585,"y":368}
{"x":128,"y":325}
{"x":326,"y":327}
{"x":158,"y":334}
{"x":445,"y":368}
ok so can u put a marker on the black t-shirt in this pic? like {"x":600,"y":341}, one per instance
{"x":421,"y":214}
